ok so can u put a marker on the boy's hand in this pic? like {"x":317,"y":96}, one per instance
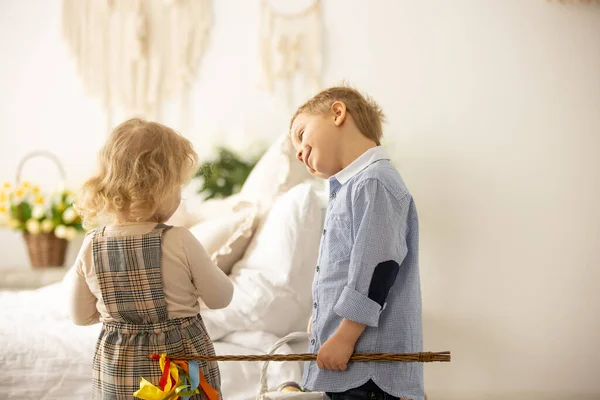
{"x":335,"y":353}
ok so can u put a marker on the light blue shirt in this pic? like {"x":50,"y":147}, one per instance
{"x":371,"y":218}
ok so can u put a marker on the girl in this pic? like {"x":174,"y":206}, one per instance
{"x":141,"y":278}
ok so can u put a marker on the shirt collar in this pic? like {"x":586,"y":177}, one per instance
{"x":367,"y":158}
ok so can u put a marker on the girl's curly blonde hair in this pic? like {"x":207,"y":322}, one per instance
{"x":141,"y":166}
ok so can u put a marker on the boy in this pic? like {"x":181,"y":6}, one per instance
{"x":366,"y":290}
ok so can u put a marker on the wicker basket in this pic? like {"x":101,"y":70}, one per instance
{"x":45,"y":250}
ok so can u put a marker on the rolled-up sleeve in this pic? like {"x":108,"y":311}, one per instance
{"x":379,"y":230}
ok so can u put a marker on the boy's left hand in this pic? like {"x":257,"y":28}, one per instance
{"x":335,"y":353}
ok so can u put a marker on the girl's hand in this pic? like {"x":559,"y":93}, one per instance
{"x":335,"y":353}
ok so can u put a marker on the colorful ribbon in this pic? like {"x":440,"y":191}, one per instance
{"x":180,"y":380}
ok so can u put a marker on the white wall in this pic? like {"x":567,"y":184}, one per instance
{"x":494,"y":115}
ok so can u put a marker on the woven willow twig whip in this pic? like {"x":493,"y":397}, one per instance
{"x":443,"y":356}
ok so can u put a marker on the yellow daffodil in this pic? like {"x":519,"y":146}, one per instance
{"x":39,"y":200}
{"x":35,"y":190}
{"x":23,"y":190}
{"x":71,"y":233}
{"x":70,"y":199}
{"x":33,"y":226}
{"x":6,"y":186}
{"x":47,"y":226}
{"x":38,"y":212}
{"x":14,"y":223}
{"x":19,"y":194}
{"x":69,"y":215}
{"x":3,"y":197}
{"x":3,"y":215}
{"x":61,"y":232}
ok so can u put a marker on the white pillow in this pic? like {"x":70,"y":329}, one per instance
{"x":203,"y":210}
{"x":226,"y":237}
{"x":273,"y":280}
{"x":276,"y":172}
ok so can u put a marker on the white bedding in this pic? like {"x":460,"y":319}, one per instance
{"x":44,"y":356}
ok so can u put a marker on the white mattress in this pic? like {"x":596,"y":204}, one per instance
{"x":44,"y":356}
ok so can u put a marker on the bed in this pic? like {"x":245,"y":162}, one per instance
{"x":44,"y":356}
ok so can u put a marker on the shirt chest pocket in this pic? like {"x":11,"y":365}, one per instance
{"x":338,"y":240}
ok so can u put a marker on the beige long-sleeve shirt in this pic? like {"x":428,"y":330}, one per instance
{"x":187,"y":271}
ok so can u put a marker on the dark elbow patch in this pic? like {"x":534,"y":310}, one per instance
{"x":382,"y":281}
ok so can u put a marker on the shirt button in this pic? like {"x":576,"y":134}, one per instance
{"x":315,"y":304}
{"x":333,"y":195}
{"x":318,"y":268}
{"x":324,"y":231}
{"x":312,"y":341}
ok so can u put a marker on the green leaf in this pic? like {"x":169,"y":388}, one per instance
{"x":225,"y":175}
{"x":25,"y":211}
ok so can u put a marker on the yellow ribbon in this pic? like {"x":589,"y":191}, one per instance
{"x":148,"y":391}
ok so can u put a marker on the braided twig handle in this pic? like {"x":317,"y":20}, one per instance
{"x":443,"y":356}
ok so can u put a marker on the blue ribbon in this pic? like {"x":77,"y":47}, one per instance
{"x":194,"y":377}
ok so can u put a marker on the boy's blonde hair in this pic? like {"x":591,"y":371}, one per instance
{"x":141,"y":165}
{"x":366,"y":113}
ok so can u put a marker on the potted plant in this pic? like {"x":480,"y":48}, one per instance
{"x":225,"y":174}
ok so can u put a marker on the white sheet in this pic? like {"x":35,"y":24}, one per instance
{"x":44,"y":356}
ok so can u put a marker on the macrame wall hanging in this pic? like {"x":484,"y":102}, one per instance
{"x":135,"y":54}
{"x":291,"y":45}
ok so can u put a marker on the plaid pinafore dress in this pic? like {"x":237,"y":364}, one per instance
{"x":129,"y":274}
